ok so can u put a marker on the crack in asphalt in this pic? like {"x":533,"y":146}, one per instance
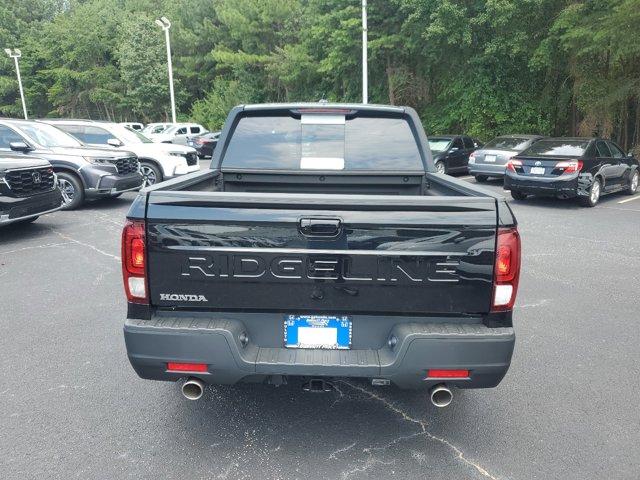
{"x":340,"y":393}
{"x":541,"y":303}
{"x":35,"y":247}
{"x":369,"y":462}
{"x":423,"y":431}
{"x":88,"y":245}
{"x":333,"y":454}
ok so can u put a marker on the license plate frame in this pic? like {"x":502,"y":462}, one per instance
{"x":321,"y":332}
{"x":537,"y":171}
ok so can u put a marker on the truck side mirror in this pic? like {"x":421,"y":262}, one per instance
{"x":20,"y":147}
{"x":114,"y":142}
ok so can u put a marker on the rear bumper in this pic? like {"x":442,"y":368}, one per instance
{"x":545,"y":186}
{"x":485,"y":351}
{"x":491,"y":170}
{"x":14,"y":209}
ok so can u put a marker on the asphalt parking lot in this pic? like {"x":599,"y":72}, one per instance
{"x":568,"y":409}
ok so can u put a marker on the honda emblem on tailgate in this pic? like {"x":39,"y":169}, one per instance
{"x":183,"y":298}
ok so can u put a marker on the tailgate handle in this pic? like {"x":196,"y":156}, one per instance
{"x":319,"y":227}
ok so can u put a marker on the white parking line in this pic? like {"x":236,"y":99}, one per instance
{"x":630,"y":199}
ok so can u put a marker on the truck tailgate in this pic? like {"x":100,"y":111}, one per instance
{"x":304,"y":253}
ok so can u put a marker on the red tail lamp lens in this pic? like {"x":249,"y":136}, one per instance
{"x":512,"y":164}
{"x":503,"y":261}
{"x":434,"y":373}
{"x":506,"y":269}
{"x":134,"y":262}
{"x":569,"y":167}
{"x":186,"y":367}
{"x":137,"y":253}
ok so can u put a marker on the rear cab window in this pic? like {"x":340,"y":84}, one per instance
{"x":322,"y":141}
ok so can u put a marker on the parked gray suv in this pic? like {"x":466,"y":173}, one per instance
{"x":83,"y":172}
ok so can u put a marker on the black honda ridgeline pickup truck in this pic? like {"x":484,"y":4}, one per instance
{"x":321,"y":244}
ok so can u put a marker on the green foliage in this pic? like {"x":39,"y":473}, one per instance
{"x":213,"y":109}
{"x":485,"y":67}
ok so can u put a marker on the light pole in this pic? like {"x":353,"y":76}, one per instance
{"x":16,"y":54}
{"x":365,"y":81}
{"x":165,"y":24}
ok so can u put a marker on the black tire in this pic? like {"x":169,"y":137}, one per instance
{"x":481,"y":178}
{"x":441,"y":167}
{"x":72,"y":190}
{"x":593,"y":198}
{"x":151,"y":173}
{"x":632,"y":188}
{"x":517,"y":195}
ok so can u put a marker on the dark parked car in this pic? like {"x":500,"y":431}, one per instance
{"x":321,"y":244}
{"x":491,"y":160}
{"x":28,"y":189}
{"x":585,"y":168}
{"x":451,"y":152}
{"x":204,"y":144}
{"x":82,"y":172}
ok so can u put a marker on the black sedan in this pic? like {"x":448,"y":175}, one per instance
{"x":585,"y":168}
{"x":451,"y":152}
{"x":205,"y":144}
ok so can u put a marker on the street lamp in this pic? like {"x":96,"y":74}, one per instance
{"x":165,"y":24}
{"x":16,"y":54}
{"x":365,"y":80}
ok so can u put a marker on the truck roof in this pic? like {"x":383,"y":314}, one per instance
{"x":323,"y":106}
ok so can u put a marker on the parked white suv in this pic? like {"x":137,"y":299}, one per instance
{"x":155,"y":128}
{"x":179,"y":133}
{"x":134,"y":125}
{"x":158,"y":161}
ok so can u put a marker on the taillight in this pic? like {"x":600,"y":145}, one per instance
{"x":569,"y":167}
{"x":506,"y":270}
{"x":472,"y":158}
{"x":199,"y":141}
{"x":512,"y":164}
{"x":134,"y":262}
{"x":186,"y":367}
{"x":438,"y":373}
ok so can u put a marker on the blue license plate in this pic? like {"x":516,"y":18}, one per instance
{"x":317,"y":331}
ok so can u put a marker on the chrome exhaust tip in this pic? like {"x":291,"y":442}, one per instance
{"x":193,"y":388}
{"x":440,"y":396}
